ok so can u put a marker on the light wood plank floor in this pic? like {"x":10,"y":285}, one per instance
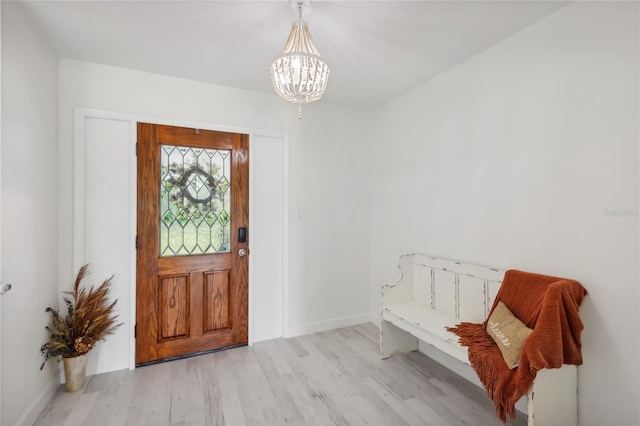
{"x":329,"y":378}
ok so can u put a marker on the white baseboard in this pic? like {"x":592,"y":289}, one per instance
{"x":31,"y":414}
{"x":315,"y":327}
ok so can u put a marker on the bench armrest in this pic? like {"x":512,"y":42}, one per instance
{"x":402,"y":290}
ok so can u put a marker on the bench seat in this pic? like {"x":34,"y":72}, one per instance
{"x":433,"y":293}
{"x":426,"y":324}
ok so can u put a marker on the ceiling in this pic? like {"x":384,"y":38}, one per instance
{"x":376,"y":50}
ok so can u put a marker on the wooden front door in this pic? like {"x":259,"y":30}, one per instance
{"x":192,"y":245}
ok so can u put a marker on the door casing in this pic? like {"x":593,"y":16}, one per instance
{"x":80,"y":116}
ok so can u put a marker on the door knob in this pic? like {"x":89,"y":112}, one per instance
{"x":5,"y":288}
{"x":242,"y":252}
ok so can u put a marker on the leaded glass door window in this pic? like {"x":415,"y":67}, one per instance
{"x":195,"y":200}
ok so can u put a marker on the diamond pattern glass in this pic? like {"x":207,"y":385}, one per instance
{"x":195,"y":200}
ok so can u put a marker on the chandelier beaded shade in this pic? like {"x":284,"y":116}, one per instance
{"x":299,"y":74}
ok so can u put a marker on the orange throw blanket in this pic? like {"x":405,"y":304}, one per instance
{"x":549,"y":306}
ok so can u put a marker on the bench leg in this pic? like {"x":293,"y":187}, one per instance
{"x":553,"y":398}
{"x":394,"y":339}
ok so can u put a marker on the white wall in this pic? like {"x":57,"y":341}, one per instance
{"x":526,"y":156}
{"x":29,"y":212}
{"x":328,"y":262}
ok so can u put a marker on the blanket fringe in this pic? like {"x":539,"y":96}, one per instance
{"x":482,"y":356}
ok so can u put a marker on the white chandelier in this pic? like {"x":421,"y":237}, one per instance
{"x":300,"y":75}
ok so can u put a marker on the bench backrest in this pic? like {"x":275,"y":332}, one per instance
{"x":463,"y":290}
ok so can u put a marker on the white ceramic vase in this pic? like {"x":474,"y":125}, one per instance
{"x":74,"y":372}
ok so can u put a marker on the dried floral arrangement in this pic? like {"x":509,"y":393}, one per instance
{"x":89,"y":319}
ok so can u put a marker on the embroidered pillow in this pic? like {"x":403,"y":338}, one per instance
{"x":508,"y":332}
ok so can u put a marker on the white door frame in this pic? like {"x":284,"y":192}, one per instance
{"x":0,"y":237}
{"x":80,"y":117}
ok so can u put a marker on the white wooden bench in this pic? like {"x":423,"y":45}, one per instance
{"x":434,"y":293}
